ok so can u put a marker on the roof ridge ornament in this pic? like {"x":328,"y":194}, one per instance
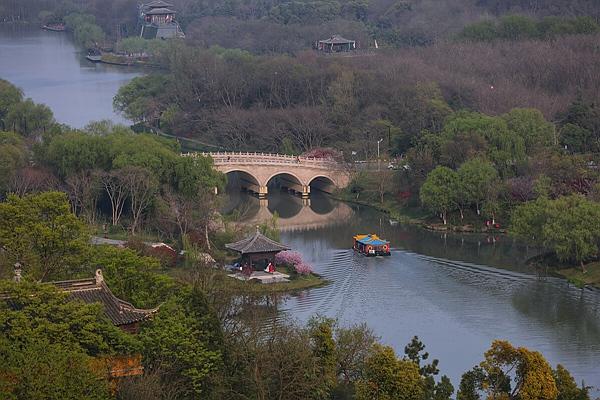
{"x":18,"y":271}
{"x":99,"y":277}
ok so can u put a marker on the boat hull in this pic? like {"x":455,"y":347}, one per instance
{"x":373,"y":253}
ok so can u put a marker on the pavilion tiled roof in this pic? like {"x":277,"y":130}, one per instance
{"x":258,"y":243}
{"x":158,"y":4}
{"x":95,"y":290}
{"x":159,"y":11}
{"x":336,"y":39}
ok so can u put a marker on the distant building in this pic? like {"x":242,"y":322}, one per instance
{"x":157,"y":21}
{"x":336,"y":44}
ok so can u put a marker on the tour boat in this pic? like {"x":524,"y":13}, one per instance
{"x":371,"y":245}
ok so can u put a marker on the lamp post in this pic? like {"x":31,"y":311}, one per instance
{"x":378,"y":161}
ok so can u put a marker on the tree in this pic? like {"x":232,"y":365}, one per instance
{"x":13,"y":156}
{"x":132,"y":277}
{"x":567,"y":388}
{"x":116,"y":189}
{"x":84,"y":188}
{"x":139,"y":99}
{"x":40,"y":232}
{"x":387,"y":377}
{"x":183,"y":340}
{"x":414,"y":352}
{"x":505,"y":148}
{"x":510,"y":373}
{"x":28,"y":118}
{"x":531,"y":125}
{"x":31,"y":179}
{"x":273,"y":362}
{"x":439,"y":191}
{"x":568,"y":225}
{"x":39,"y":370}
{"x":178,"y":214}
{"x":40,"y":313}
{"x":9,"y":95}
{"x":470,"y":384}
{"x":528,"y":220}
{"x":323,"y":349}
{"x":353,"y":346}
{"x":573,"y":228}
{"x":141,"y":188}
{"x":576,"y":139}
{"x":72,"y":152}
{"x":477,"y":177}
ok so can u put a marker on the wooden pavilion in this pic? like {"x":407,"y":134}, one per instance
{"x":257,"y":250}
{"x":336,"y":44}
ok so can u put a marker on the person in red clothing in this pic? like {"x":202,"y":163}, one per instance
{"x":270,"y":268}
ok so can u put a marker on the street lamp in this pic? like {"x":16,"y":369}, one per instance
{"x":378,"y":161}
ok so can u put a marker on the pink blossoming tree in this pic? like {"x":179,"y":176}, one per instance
{"x":294,"y":260}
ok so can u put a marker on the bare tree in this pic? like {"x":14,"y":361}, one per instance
{"x":116,"y":189}
{"x":32,"y":180}
{"x":180,"y":215}
{"x":84,"y":189}
{"x":141,"y":187}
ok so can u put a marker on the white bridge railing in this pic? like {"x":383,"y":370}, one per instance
{"x":224,"y":158}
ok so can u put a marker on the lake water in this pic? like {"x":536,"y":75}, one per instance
{"x":456,"y":292}
{"x":50,"y":69}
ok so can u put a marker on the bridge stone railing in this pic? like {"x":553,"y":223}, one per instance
{"x":224,"y":158}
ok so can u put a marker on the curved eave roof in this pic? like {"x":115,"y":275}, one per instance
{"x":118,"y":311}
{"x":258,"y":243}
{"x":159,"y":11}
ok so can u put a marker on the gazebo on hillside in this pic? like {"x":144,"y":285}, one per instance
{"x":257,"y":249}
{"x":336,"y":44}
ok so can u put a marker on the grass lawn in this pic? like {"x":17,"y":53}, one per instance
{"x":576,"y":276}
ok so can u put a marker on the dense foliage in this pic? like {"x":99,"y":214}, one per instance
{"x":517,"y":27}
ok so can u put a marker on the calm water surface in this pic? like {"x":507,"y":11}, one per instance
{"x":456,"y":292}
{"x":52,"y":70}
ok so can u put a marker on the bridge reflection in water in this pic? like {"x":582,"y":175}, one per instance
{"x":295,"y":213}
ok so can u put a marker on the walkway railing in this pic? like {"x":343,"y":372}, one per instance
{"x":223,"y":158}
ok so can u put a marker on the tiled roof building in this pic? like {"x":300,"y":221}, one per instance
{"x":257,"y":250}
{"x":258,"y":243}
{"x":95,"y":290}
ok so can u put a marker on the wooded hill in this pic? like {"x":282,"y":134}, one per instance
{"x":292,"y":25}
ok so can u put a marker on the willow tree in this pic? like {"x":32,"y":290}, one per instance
{"x":439,"y":192}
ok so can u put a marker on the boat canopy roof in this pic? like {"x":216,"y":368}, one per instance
{"x":371,"y":239}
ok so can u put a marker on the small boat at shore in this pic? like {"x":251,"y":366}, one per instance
{"x":55,"y":27}
{"x":371,"y":245}
{"x":94,"y":55}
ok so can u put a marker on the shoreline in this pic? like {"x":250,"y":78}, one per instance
{"x":397,"y":215}
{"x":573,"y":275}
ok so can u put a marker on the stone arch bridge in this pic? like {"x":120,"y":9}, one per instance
{"x":299,"y":174}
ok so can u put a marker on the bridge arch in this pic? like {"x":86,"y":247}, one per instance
{"x":246,"y":179}
{"x":288,"y":180}
{"x":323,"y":183}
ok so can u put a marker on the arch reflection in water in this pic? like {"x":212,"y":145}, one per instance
{"x":294,"y":213}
